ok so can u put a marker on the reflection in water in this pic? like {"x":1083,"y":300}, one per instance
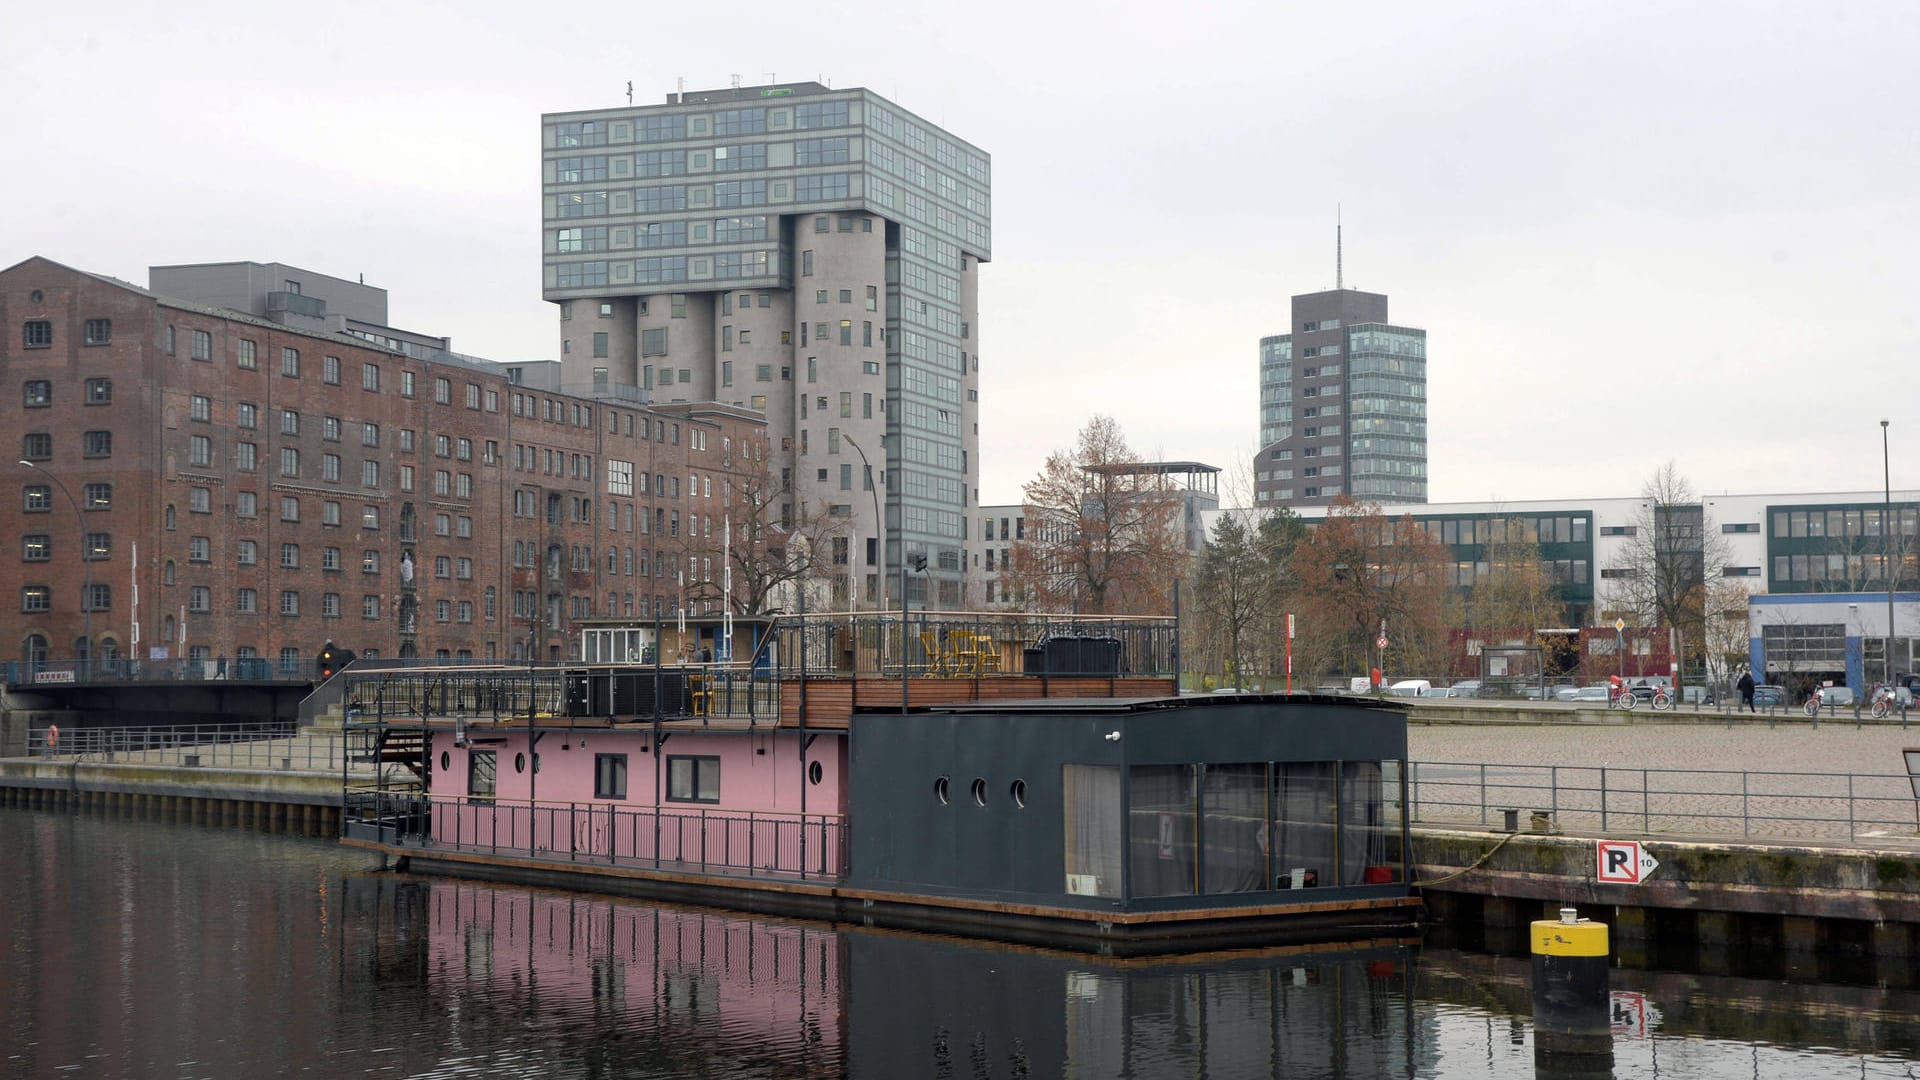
{"x":138,"y":949}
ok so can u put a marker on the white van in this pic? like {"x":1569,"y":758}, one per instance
{"x":1410,"y":688}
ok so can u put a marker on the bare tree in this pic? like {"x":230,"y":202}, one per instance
{"x":1103,"y":531}
{"x":1674,"y":545}
{"x":1728,"y":639}
{"x":1241,"y":587}
{"x":1519,"y":594}
{"x":773,"y":545}
{"x":1359,"y":572}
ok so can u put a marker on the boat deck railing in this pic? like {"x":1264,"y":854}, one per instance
{"x":726,"y":842}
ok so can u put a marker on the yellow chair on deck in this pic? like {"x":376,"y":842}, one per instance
{"x":961,"y":660}
{"x":936,"y":663}
{"x":986,"y":655}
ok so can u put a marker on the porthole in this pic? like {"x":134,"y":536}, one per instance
{"x":519,"y":763}
{"x":940,"y":790}
{"x":815,"y":773}
{"x":979,"y":791}
{"x":1018,"y":790}
{"x":446,"y":761}
{"x":36,"y":296}
{"x":536,"y":763}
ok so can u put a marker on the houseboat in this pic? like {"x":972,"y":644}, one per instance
{"x":1037,"y":780}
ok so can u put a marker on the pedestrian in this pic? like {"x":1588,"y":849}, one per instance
{"x":1746,"y":689}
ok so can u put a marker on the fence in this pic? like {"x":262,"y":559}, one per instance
{"x":229,"y":746}
{"x":611,"y":834}
{"x":1692,"y":802}
{"x":239,"y":669}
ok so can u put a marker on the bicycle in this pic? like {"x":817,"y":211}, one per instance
{"x":1656,"y":697}
{"x":1813,"y":704}
{"x":1884,"y":701}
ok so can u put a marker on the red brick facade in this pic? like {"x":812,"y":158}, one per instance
{"x":287,"y":488}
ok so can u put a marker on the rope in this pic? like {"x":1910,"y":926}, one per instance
{"x":1470,"y":868}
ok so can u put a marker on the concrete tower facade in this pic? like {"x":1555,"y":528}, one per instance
{"x":805,"y":252}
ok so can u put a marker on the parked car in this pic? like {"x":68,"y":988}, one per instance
{"x":1464,"y":688}
{"x":1767,"y":694}
{"x":1434,"y":692}
{"x":1838,"y":697}
{"x":1566,"y":693}
{"x":1410,"y":688}
{"x":1591,"y":693}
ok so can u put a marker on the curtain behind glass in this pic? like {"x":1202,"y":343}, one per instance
{"x":1303,"y":811}
{"x":1233,"y":828}
{"x":1370,"y":823}
{"x":1092,"y":812}
{"x":1160,"y":830}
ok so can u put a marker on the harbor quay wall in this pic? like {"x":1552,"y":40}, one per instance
{"x":1719,"y":895}
{"x":305,"y":803}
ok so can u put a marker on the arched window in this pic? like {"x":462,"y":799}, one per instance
{"x":34,"y":649}
{"x":166,"y":628}
{"x":166,"y":573}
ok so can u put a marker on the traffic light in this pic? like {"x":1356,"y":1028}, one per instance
{"x":332,"y":659}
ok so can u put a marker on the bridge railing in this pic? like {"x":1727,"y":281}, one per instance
{"x":1675,"y":802}
{"x":26,"y":674}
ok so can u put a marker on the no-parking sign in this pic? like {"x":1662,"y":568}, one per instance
{"x":1623,"y":862}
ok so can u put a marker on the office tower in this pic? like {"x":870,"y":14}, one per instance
{"x":805,"y":252}
{"x":1343,"y":405}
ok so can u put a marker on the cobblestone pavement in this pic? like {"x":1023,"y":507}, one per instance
{"x":1783,"y":781}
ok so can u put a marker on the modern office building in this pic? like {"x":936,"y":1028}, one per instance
{"x":1343,"y":405}
{"x":811,"y":254}
{"x":1814,"y":565}
{"x":201,"y":483}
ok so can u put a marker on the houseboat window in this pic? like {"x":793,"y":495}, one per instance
{"x":446,"y":761}
{"x":693,"y":779}
{"x":1370,"y":822}
{"x":979,"y":791}
{"x":610,"y":776}
{"x":1018,"y":791}
{"x":1302,"y":848}
{"x":480,"y":776}
{"x":940,"y":790}
{"x":1090,"y":805}
{"x":815,"y":773}
{"x":519,"y":763}
{"x":1160,"y":833}
{"x":1233,"y":828}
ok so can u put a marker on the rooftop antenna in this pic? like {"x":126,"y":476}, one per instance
{"x":772,"y":78}
{"x":736,"y":80}
{"x":1339,"y":255}
{"x":629,"y":91}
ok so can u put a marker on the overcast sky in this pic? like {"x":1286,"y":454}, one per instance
{"x":1633,"y":231}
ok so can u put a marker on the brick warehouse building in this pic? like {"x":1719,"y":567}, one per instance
{"x":286,"y":487}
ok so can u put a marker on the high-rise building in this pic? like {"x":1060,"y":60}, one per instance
{"x":1343,"y":405}
{"x":805,"y":252}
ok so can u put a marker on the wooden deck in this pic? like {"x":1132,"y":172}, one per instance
{"x":830,"y":701}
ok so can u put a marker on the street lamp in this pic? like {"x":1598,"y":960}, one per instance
{"x":879,"y":524}
{"x":1886,"y":545}
{"x":86,"y":565}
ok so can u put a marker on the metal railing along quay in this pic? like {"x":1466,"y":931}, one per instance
{"x":1680,"y":802}
{"x":226,"y":746}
